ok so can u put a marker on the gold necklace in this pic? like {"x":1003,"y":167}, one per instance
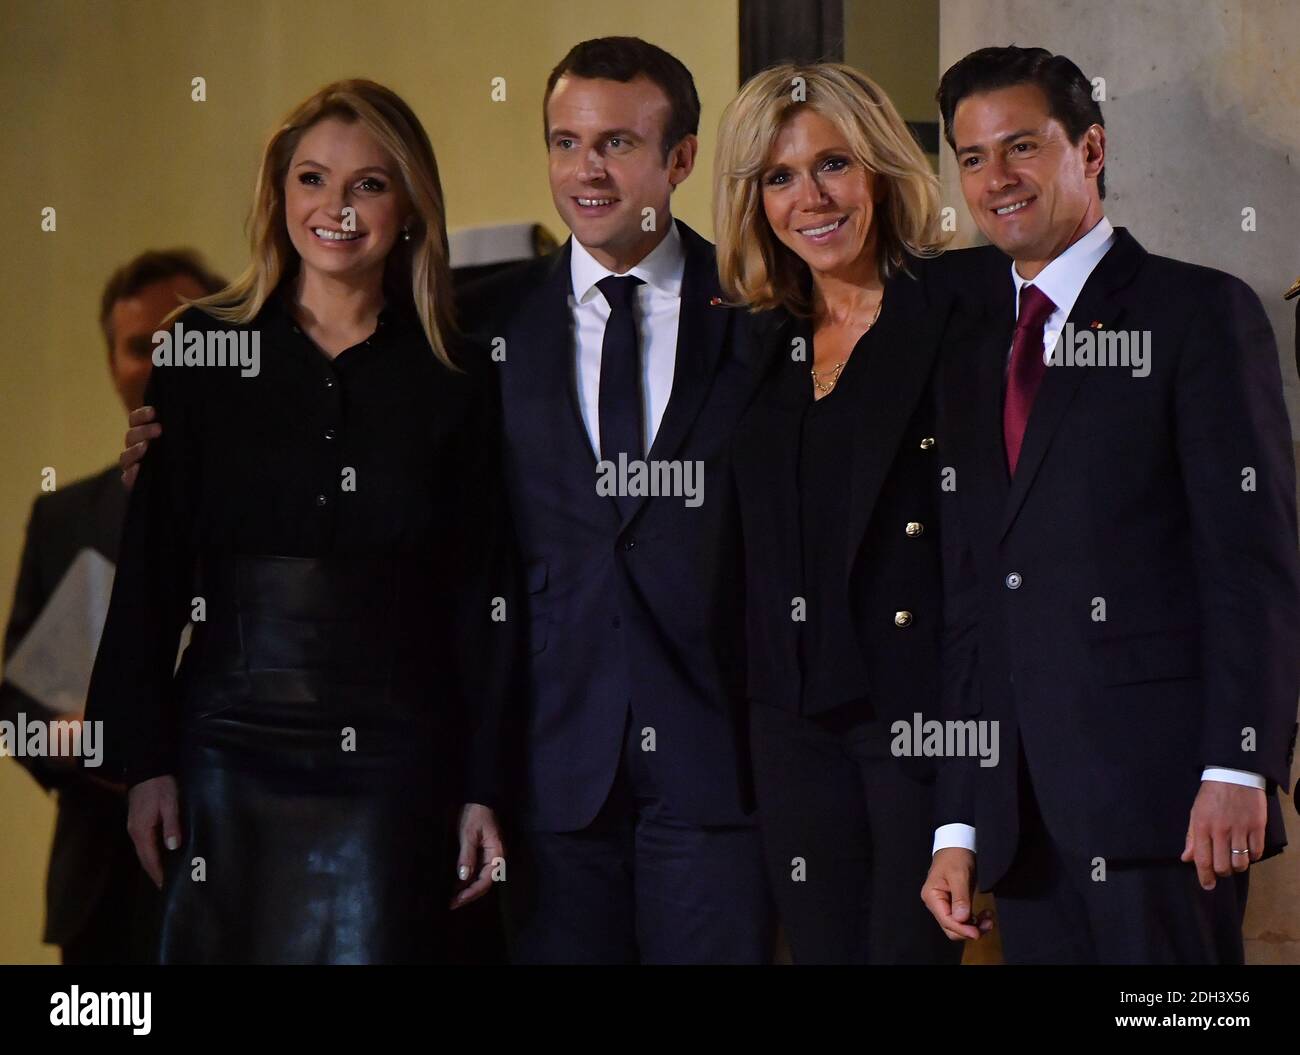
{"x":824,"y":387}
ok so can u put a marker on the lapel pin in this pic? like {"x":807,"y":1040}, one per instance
{"x":1095,"y":324}
{"x":715,"y":301}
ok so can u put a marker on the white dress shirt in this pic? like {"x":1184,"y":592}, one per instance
{"x":658,"y":309}
{"x":1062,"y":280}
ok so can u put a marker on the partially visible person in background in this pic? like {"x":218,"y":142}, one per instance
{"x":100,"y":908}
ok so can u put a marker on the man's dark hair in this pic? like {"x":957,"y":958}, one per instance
{"x":153,"y":265}
{"x":626,"y":58}
{"x":1068,"y":91}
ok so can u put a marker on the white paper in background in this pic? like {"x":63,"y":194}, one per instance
{"x":52,"y":663}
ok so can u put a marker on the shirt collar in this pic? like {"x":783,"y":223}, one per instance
{"x":1063,"y":278}
{"x":661,"y":269}
{"x":393,"y":316}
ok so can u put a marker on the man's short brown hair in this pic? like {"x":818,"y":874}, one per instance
{"x":624,"y":59}
{"x":153,"y":265}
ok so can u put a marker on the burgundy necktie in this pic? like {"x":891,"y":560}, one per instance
{"x":1027,"y":368}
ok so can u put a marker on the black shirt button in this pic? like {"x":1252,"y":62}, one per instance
{"x":321,"y":500}
{"x":329,"y":382}
{"x":330,"y":434}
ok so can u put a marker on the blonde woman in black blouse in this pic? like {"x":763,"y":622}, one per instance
{"x":327,"y":508}
{"x":826,"y":214}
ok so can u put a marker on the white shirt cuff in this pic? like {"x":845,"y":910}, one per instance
{"x":1243,"y":777}
{"x":953,"y":835}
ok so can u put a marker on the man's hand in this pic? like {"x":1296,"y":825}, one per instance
{"x":948,"y":892}
{"x":151,"y":804}
{"x":1225,"y":817}
{"x":480,"y":849}
{"x":143,"y":429}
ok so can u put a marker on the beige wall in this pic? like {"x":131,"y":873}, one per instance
{"x":98,"y":122}
{"x":896,"y":43}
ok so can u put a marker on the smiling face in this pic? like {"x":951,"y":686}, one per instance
{"x":820,"y":201}
{"x":339,"y":164}
{"x":1031,"y":191}
{"x":605,"y":145}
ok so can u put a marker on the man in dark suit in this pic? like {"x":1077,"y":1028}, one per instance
{"x":1122,"y":584}
{"x":100,"y":906}
{"x":634,"y":840}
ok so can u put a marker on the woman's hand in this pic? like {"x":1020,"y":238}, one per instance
{"x":150,"y":804}
{"x":481,"y":850}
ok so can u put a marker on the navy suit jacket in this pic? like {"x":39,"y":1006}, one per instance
{"x":622,"y":608}
{"x":1128,"y":606}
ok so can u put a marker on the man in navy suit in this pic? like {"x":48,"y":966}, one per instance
{"x":635,"y":842}
{"x":1122,"y":585}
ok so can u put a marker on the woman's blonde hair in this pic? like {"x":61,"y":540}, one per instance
{"x":417,"y":272}
{"x":754,"y":267}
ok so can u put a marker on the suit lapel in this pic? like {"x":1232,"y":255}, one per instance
{"x":1097,"y":304}
{"x":701,"y":331}
{"x":771,"y":453}
{"x":544,"y":324}
{"x":897,"y":369}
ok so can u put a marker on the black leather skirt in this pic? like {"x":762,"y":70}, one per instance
{"x":313,"y":773}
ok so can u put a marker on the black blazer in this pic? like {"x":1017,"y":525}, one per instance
{"x":91,"y":849}
{"x":896,"y":459}
{"x":618,"y":606}
{"x":1127,"y":608}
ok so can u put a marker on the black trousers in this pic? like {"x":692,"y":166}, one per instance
{"x":1054,"y":906}
{"x":847,"y":838}
{"x":638,"y":885}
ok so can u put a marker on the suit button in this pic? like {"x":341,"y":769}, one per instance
{"x":616,"y":622}
{"x":321,"y":500}
{"x":630,"y":544}
{"x":1014,"y":580}
{"x":927,"y":443}
{"x":330,"y":434}
{"x":902,"y":618}
{"x":913,"y":529}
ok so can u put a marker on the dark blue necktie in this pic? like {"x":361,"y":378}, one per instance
{"x":622,"y":428}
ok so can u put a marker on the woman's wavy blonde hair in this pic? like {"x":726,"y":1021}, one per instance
{"x":417,"y":272}
{"x":754,"y":267}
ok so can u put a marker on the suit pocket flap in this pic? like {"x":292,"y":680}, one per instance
{"x":1148,"y":657}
